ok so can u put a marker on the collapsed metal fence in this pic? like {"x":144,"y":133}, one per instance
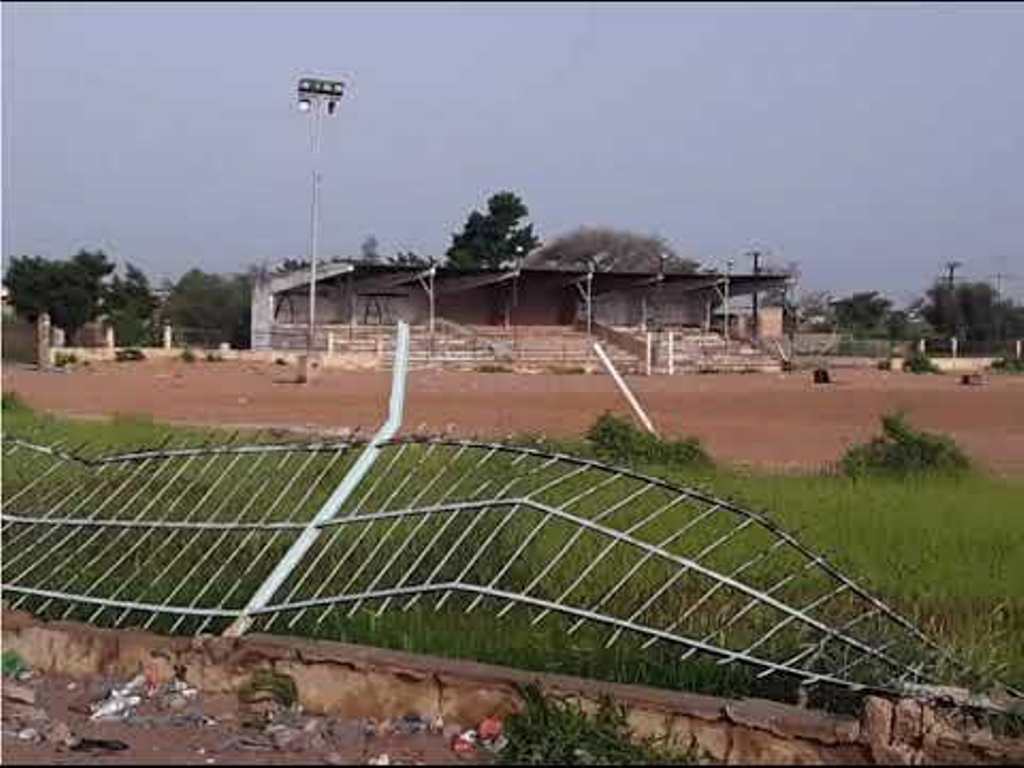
{"x":302,"y":538}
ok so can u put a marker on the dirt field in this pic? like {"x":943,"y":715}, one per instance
{"x":775,"y":421}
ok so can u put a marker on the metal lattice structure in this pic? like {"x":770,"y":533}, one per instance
{"x":180,"y":539}
{"x":482,"y":537}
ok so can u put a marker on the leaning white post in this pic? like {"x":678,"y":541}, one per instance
{"x":624,"y":389}
{"x":348,"y":484}
{"x":648,"y":355}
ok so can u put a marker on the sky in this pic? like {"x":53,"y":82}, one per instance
{"x":868,"y":143}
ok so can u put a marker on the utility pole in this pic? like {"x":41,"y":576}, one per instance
{"x":756,"y":255}
{"x":951,"y":268}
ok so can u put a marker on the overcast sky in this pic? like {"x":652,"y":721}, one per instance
{"x":868,"y":143}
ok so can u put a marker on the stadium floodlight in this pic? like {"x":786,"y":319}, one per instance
{"x":315,"y":97}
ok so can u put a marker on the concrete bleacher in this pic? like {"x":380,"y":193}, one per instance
{"x":535,"y":347}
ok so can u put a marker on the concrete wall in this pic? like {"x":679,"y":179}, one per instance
{"x":358,"y":681}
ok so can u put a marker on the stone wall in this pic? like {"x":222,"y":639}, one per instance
{"x":357,"y":681}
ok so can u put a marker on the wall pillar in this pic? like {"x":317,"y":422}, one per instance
{"x":108,"y":337}
{"x":57,"y":337}
{"x":168,"y":336}
{"x":953,"y":344}
{"x":43,"y":340}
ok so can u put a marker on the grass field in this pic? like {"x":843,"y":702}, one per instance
{"x":948,"y":553}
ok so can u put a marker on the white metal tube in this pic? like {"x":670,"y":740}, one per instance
{"x":624,"y":389}
{"x":345,"y":488}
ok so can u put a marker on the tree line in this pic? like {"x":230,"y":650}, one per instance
{"x":88,"y":286}
{"x":970,"y":311}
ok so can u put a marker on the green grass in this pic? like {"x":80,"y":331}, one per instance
{"x":948,"y":552}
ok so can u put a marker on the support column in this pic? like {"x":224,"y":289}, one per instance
{"x":43,"y":340}
{"x":649,"y":355}
{"x":954,"y":343}
{"x":108,"y":337}
{"x":1019,"y":349}
{"x":168,"y":336}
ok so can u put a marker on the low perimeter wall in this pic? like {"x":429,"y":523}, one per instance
{"x":357,"y":681}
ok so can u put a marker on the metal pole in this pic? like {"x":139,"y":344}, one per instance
{"x":313,"y":227}
{"x":349,"y":483}
{"x":725,"y":329}
{"x":756,"y":307}
{"x":624,"y":389}
{"x":590,"y":301}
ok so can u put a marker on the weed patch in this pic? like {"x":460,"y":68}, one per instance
{"x":129,"y":355}
{"x":553,"y":732}
{"x":618,"y":440}
{"x":918,"y":363}
{"x":902,"y":450}
{"x":1008,"y":365}
{"x":188,"y":356}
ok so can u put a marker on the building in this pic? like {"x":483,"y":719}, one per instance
{"x":358,"y":294}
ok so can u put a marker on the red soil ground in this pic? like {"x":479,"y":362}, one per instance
{"x":778,"y":421}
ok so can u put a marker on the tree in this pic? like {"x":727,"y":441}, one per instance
{"x":130,"y":305}
{"x":814,"y":312}
{"x":409,"y":259}
{"x":863,"y":314}
{"x":215,"y":308}
{"x":369,"y":250}
{"x":71,"y":292}
{"x":496,"y":238}
{"x":972,"y":311}
{"x":610,"y":250}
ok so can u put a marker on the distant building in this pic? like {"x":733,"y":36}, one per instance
{"x":369,"y":294}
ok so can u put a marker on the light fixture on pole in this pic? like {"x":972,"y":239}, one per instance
{"x":316,"y":97}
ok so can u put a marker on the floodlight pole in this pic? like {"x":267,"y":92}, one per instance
{"x":314,"y":221}
{"x":316,"y":96}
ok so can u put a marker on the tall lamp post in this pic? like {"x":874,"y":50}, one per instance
{"x":316,"y":97}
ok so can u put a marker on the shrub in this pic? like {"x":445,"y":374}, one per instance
{"x":11,"y":401}
{"x":188,"y":356}
{"x":214,"y":357}
{"x":566,"y":370}
{"x":491,"y":368}
{"x":617,"y":439}
{"x":280,"y":361}
{"x":885,"y":364}
{"x":918,"y":363}
{"x":550,"y":731}
{"x":1008,"y":365}
{"x":62,"y":359}
{"x":901,"y":450}
{"x":129,"y":355}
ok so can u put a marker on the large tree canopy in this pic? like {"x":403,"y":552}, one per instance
{"x":217,"y":307}
{"x":71,"y":292}
{"x":972,"y":311}
{"x":610,"y":250}
{"x":130,"y":305}
{"x":863,"y":314}
{"x":496,"y":238}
